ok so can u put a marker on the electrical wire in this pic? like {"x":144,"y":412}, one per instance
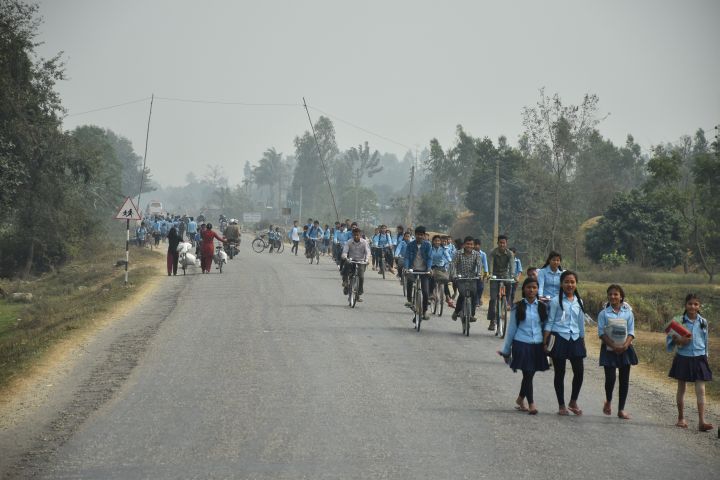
{"x":222,"y":102}
{"x":108,"y":107}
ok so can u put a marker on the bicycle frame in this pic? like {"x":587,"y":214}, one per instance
{"x":417,"y":297}
{"x":501,"y":305}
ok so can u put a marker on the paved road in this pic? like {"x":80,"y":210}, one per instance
{"x":264,"y":372}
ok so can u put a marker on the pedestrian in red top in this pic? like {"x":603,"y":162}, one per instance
{"x":208,"y":247}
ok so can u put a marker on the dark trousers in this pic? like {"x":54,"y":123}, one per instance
{"x":578,"y":371}
{"x":347,"y":268}
{"x":526,"y":387}
{"x":461,"y":302}
{"x":295,"y":246}
{"x":172,"y":262}
{"x":479,"y":288}
{"x":624,"y":384}
{"x":424,"y":287}
{"x":494,"y":288}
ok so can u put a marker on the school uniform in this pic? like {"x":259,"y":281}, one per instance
{"x":610,"y":358}
{"x":690,"y":363}
{"x":525,"y":340}
{"x":567,"y":324}
{"x":549,"y":282}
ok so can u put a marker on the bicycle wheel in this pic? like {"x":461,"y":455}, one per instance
{"x":441,"y":299}
{"x":404,"y":285}
{"x":503,"y":321}
{"x":258,"y":245}
{"x":418,"y":304}
{"x":352,"y":294}
{"x":467,"y":313}
{"x":498,"y":311}
{"x":382,"y":265}
{"x":433,"y":301}
{"x":220,"y":266}
{"x":280,"y":247}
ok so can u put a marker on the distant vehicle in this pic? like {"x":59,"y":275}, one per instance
{"x":155,"y":207}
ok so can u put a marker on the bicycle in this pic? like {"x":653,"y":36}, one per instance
{"x":417,"y":298}
{"x":401,"y":274}
{"x":259,"y":244}
{"x":437,"y":298}
{"x":501,"y":305}
{"x":353,"y":282}
{"x":314,"y":252}
{"x":467,"y":287}
{"x":220,"y":257}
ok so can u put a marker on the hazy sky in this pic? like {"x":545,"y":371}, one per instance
{"x":408,"y":70}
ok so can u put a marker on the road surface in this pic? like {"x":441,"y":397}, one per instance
{"x":264,"y":372}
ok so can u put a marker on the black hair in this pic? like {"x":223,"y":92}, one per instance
{"x":530,"y":269}
{"x":688,"y":297}
{"x":502,"y":237}
{"x":434,"y":237}
{"x":567,"y":273}
{"x":477,"y":241}
{"x":420,"y":230}
{"x":469,"y":239}
{"x":208,"y":226}
{"x":521,"y":306}
{"x":617,"y":287}
{"x":552,"y":255}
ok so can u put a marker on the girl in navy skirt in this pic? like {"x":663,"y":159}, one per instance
{"x":690,"y":363}
{"x":524,"y":340}
{"x":616,"y":329}
{"x":566,"y":324}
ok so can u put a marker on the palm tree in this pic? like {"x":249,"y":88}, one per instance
{"x":270,"y":172}
{"x":361,"y":162}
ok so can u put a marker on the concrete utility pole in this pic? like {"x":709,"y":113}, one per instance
{"x":411,"y":198}
{"x":496,"y":226}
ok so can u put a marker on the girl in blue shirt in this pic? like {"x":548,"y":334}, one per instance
{"x":616,"y":356}
{"x":549,"y":277}
{"x":524,"y":339}
{"x":566,"y":323}
{"x":690,"y":363}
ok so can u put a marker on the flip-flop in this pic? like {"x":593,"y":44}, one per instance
{"x":563,"y":413}
{"x":533,"y":411}
{"x":705,"y":427}
{"x":521,"y":409}
{"x":575,"y":410}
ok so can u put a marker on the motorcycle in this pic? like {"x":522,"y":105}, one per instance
{"x":232,"y":249}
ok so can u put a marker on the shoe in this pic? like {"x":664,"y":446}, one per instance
{"x":433,"y":298}
{"x":454,"y":316}
{"x":473,"y":319}
{"x":345,"y":290}
{"x":492,"y":325}
{"x":359,"y":299}
{"x":408,"y":304}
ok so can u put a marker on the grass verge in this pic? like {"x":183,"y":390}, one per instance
{"x":64,"y":301}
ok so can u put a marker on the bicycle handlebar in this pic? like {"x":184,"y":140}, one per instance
{"x":412,"y":272}
{"x":505,"y":280}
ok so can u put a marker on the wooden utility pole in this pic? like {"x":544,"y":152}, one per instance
{"x":496,"y":226}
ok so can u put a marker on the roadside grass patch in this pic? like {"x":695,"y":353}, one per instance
{"x":70,"y":298}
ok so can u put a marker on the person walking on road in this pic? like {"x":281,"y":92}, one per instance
{"x":173,"y":256}
{"x":294,"y":237}
{"x":690,"y":363}
{"x":565,"y":330}
{"x":208,"y":247}
{"x":616,"y":329}
{"x":523,"y":347}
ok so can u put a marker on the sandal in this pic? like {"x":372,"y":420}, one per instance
{"x":533,"y":411}
{"x":576,"y":410}
{"x":563,"y":412}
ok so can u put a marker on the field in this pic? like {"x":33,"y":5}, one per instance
{"x":67,"y":300}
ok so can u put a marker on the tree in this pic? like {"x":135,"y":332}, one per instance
{"x":360,"y":163}
{"x":556,"y":133}
{"x":271,"y":171}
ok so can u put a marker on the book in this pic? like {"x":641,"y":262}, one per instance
{"x":675,"y":328}
{"x":617,"y":331}
{"x":550,"y":342}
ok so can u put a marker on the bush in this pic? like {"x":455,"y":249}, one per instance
{"x":613,"y":259}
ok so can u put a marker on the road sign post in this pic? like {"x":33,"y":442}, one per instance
{"x":127,"y":212}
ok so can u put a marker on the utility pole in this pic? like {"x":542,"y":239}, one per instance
{"x":411,"y":198}
{"x":300,"y":207}
{"x":496,"y":226}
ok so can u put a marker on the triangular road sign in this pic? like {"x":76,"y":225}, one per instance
{"x":128,"y":211}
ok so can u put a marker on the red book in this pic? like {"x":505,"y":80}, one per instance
{"x":676,"y":328}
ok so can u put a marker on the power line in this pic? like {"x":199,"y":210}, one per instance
{"x":108,"y":107}
{"x":222,"y":102}
{"x":335,"y":117}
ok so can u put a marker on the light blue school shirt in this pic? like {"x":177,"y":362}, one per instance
{"x":326,"y":234}
{"x":698,"y":345}
{"x":381,"y":240}
{"x":192,"y":226}
{"x":400,"y":249}
{"x":528,"y":331}
{"x":483,"y":257}
{"x":440,"y":257}
{"x":568,"y":322}
{"x":549,"y":282}
{"x":608,"y":313}
{"x":518,"y":267}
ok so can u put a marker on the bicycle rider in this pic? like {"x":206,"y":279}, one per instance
{"x":418,"y":258}
{"x":502,"y":265}
{"x":467,"y":263}
{"x":357,"y":250}
{"x":313,"y":236}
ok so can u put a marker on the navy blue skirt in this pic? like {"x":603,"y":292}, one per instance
{"x":690,"y":369}
{"x":612,"y":359}
{"x":567,"y":349}
{"x":528,"y":357}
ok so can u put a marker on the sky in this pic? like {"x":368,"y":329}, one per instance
{"x":404,"y":71}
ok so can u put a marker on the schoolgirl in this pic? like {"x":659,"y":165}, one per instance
{"x":441,"y":260}
{"x":616,"y":329}
{"x":524,"y":342}
{"x":690,"y":363}
{"x":564,"y":339}
{"x":549,"y":277}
